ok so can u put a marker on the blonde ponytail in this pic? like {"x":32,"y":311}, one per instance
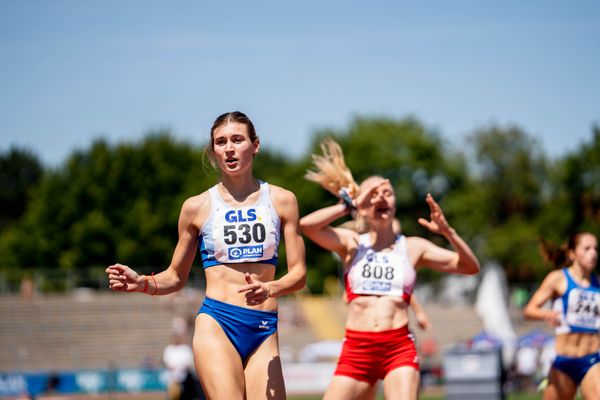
{"x":332,"y":172}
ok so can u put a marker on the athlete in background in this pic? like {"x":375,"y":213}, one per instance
{"x":574,"y":290}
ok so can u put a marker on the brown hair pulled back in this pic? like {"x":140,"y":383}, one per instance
{"x":558,"y":255}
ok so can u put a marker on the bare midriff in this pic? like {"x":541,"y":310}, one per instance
{"x":576,"y":344}
{"x":224,"y":281}
{"x":377,"y":313}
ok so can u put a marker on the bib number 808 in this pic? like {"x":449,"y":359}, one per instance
{"x":378,"y":272}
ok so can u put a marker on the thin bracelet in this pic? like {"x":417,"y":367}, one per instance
{"x":155,"y":285}
{"x":145,"y":284}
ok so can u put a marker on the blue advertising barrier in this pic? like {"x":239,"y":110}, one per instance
{"x":82,"y":381}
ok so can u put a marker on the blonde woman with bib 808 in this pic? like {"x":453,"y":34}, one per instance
{"x":380,"y":269}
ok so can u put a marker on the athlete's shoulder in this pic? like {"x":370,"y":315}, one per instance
{"x":556,"y":274}
{"x":554,"y":278}
{"x":196,"y":203}
{"x":281,"y":195}
{"x":417,"y":242}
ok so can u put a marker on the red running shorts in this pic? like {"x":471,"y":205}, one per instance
{"x":370,"y":356}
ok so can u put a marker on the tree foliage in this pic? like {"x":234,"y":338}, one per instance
{"x":121,"y":203}
{"x":508,"y":178}
{"x":20,"y":171}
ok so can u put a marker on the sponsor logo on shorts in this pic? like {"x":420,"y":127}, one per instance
{"x":377,"y":285}
{"x":263,"y":325}
{"x":236,"y":253}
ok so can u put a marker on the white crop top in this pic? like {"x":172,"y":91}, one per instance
{"x":579,"y":306}
{"x":240,"y":234}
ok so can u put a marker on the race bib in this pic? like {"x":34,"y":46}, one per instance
{"x":243,"y":234}
{"x":378,"y":274}
{"x":584,"y":309}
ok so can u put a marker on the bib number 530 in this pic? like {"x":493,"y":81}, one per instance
{"x":244,"y":233}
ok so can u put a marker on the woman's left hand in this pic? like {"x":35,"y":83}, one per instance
{"x":423,"y":321}
{"x":257,"y":292}
{"x":438,"y":223}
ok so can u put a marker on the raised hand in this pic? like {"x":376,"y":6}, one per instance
{"x":438,"y":223}
{"x":256,"y":291}
{"x":366,"y":195}
{"x":121,"y":278}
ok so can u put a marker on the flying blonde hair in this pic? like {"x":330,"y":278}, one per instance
{"x":332,"y":172}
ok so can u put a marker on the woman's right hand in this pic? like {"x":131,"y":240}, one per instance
{"x":121,"y":278}
{"x":553,"y":318}
{"x":365,"y":198}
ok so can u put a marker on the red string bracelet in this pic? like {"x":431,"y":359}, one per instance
{"x":145,"y":284}
{"x":155,"y":285}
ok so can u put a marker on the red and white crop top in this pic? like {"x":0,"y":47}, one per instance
{"x":383,"y":273}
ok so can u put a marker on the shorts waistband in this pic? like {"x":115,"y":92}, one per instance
{"x":403,"y":331}
{"x":209,"y":302}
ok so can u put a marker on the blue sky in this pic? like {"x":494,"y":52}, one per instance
{"x":72,"y":71}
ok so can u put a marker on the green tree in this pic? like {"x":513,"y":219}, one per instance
{"x":574,"y":199}
{"x":121,"y":203}
{"x":20,"y":171}
{"x":509,"y":177}
{"x":106,"y":204}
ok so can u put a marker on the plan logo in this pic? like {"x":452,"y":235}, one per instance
{"x":238,"y":253}
{"x":378,"y":286}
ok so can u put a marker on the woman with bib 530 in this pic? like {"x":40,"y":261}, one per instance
{"x":236,"y":224}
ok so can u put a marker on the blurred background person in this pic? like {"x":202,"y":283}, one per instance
{"x":178,"y":359}
{"x":574,"y":291}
